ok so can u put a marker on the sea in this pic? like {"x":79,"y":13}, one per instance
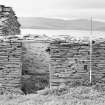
{"x":74,"y":33}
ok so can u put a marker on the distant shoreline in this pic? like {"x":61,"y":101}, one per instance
{"x":54,"y":33}
{"x":60,"y":29}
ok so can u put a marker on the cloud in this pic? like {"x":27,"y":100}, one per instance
{"x":84,"y":4}
{"x":73,"y":13}
{"x":58,"y":8}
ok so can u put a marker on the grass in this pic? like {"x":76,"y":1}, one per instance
{"x":35,"y":66}
{"x":73,"y":96}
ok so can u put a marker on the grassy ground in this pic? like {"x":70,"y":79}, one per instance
{"x":75,"y":96}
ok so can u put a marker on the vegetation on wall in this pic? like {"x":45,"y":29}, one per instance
{"x":35,"y":74}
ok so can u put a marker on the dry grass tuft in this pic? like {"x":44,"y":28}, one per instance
{"x":61,"y":96}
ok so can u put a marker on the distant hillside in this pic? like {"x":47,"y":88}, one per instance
{"x":60,"y":24}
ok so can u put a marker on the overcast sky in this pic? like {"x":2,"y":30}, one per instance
{"x":67,"y":9}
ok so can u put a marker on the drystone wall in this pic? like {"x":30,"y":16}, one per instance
{"x":70,"y":63}
{"x":98,"y":62}
{"x":8,"y":22}
{"x":10,"y":65}
{"x":10,"y":52}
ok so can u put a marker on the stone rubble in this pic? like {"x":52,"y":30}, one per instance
{"x":8,"y":22}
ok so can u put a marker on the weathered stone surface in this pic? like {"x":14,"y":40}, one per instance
{"x":8,"y":22}
{"x":10,"y":51}
{"x":10,"y":71}
{"x":70,"y":62}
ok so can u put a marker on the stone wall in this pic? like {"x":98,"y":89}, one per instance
{"x":10,"y":64}
{"x":98,"y":62}
{"x":8,"y":22}
{"x":10,"y":52}
{"x":70,"y":63}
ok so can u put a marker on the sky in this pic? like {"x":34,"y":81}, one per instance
{"x":65,"y":9}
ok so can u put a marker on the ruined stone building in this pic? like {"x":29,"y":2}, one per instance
{"x":69,"y":61}
{"x":8,"y":22}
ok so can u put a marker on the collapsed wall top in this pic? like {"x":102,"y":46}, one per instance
{"x":9,"y":24}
